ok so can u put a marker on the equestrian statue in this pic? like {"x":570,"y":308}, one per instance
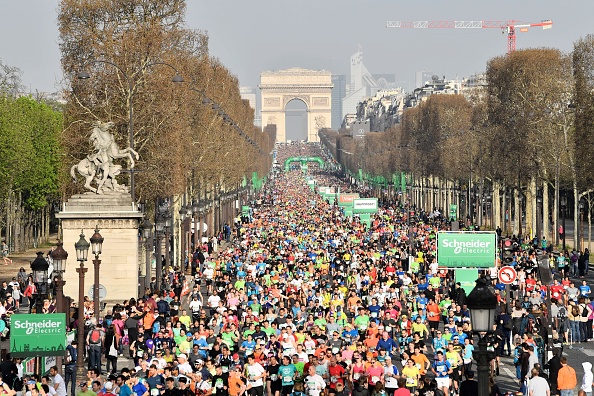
{"x":98,"y":167}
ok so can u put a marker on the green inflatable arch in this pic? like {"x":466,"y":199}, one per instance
{"x":303,"y":161}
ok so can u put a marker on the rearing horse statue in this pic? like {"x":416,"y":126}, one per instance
{"x":99,"y":165}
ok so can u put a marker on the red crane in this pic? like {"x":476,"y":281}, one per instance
{"x":506,"y":26}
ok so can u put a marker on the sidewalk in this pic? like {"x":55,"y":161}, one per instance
{"x":24,"y":259}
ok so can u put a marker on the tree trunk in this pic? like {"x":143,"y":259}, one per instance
{"x":545,"y":212}
{"x":576,"y":216}
{"x":517,"y":213}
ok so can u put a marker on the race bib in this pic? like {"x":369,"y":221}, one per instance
{"x":335,"y":350}
{"x":154,"y":392}
{"x":225,"y":369}
{"x":410,"y":381}
{"x":356,"y":376}
{"x":375,"y":379}
{"x":273,"y":377}
{"x":287,"y":379}
{"x":333,"y":379}
{"x":140,"y":353}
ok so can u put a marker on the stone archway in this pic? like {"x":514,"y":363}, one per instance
{"x":312,"y":87}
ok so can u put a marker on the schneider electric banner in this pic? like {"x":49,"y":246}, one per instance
{"x":466,"y":249}
{"x":37,"y":335}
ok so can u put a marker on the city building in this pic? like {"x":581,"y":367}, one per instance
{"x":338,"y":94}
{"x":361,"y":84}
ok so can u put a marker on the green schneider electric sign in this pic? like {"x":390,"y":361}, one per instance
{"x":37,"y":335}
{"x":466,"y":249}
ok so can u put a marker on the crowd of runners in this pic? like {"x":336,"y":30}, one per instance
{"x":305,"y":301}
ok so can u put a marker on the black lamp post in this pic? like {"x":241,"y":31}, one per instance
{"x":538,"y":219}
{"x":40,"y":268}
{"x":581,"y":228}
{"x":160,"y":228}
{"x":168,"y":229}
{"x":82,"y":250}
{"x":59,"y":256}
{"x":147,"y":233}
{"x":195,"y":219}
{"x":482,"y":303}
{"x":96,"y":245}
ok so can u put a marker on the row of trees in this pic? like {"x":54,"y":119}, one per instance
{"x":29,"y":163}
{"x":195,"y":139}
{"x":527,"y":133}
{"x":185,"y":146}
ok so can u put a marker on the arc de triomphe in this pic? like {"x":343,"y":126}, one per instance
{"x":312,"y":87}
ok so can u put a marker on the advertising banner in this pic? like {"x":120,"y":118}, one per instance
{"x":365,"y":205}
{"x":466,"y":277}
{"x":322,"y":190}
{"x":347,"y":199}
{"x":466,"y":249}
{"x":454,"y":212}
{"x":38,"y":335}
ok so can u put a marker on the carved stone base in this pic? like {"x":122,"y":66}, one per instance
{"x":117,"y":218}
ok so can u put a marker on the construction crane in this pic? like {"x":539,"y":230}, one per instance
{"x":508,"y":27}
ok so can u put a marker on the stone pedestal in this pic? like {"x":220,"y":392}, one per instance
{"x":118,"y":219}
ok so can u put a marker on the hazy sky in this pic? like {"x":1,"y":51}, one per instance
{"x":251,"y":36}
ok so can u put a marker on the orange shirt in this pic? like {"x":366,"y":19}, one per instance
{"x":371,"y":342}
{"x":148,"y":320}
{"x":421,"y":362}
{"x":235,"y":384}
{"x":433,"y":308}
{"x":566,"y":379}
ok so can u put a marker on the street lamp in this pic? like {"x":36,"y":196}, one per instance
{"x":481,"y":304}
{"x":84,"y":75}
{"x":147,"y":233}
{"x":96,"y":244}
{"x":59,"y":256}
{"x":160,"y":228}
{"x":538,"y":219}
{"x":563,"y":208}
{"x":581,"y":230}
{"x":40,"y":268}
{"x":195,"y":220}
{"x":82,"y":249}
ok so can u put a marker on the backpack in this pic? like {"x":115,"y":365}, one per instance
{"x":95,"y":336}
{"x":68,"y":356}
{"x":562,"y":313}
{"x":575,"y":311}
{"x":584,"y":311}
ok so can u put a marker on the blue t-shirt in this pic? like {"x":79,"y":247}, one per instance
{"x":139,"y":389}
{"x":125,"y":390}
{"x":374,"y":311}
{"x":585,"y":290}
{"x":249,"y":347}
{"x":442,"y":368}
{"x":286,"y":373}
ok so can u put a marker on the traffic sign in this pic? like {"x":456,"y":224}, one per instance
{"x":102,"y":292}
{"x":507,"y":275}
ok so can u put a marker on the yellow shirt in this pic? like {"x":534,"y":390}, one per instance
{"x":419,"y":328}
{"x":411,"y":374}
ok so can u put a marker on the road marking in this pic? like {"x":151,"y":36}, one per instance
{"x":509,"y":373}
{"x":588,"y":352}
